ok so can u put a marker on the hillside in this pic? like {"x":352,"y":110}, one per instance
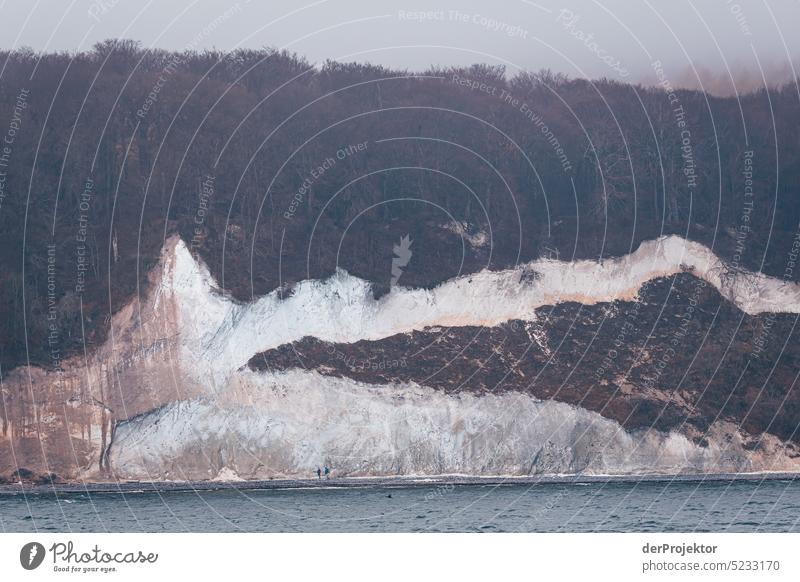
{"x":275,"y":171}
{"x":239,"y":265}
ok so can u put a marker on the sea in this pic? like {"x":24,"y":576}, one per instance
{"x":703,"y":506}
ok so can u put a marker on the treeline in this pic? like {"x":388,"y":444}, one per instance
{"x":275,"y":170}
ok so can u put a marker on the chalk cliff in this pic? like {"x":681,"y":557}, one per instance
{"x":550,"y":367}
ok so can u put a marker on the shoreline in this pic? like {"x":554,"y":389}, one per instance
{"x":372,"y":482}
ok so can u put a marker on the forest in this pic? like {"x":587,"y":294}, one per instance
{"x":274,"y":170}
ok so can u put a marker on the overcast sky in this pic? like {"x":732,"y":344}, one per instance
{"x":614,"y":38}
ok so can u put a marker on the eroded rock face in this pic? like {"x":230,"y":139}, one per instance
{"x":63,"y":421}
{"x":504,"y":373}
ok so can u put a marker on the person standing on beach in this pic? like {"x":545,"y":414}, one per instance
{"x":319,"y":473}
{"x":327,"y":472}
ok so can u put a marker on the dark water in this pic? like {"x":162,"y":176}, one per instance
{"x":720,"y":506}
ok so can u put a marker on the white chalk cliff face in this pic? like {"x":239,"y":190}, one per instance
{"x":284,"y":425}
{"x":170,"y":396}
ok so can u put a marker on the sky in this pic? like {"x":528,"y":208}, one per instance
{"x":719,"y":45}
